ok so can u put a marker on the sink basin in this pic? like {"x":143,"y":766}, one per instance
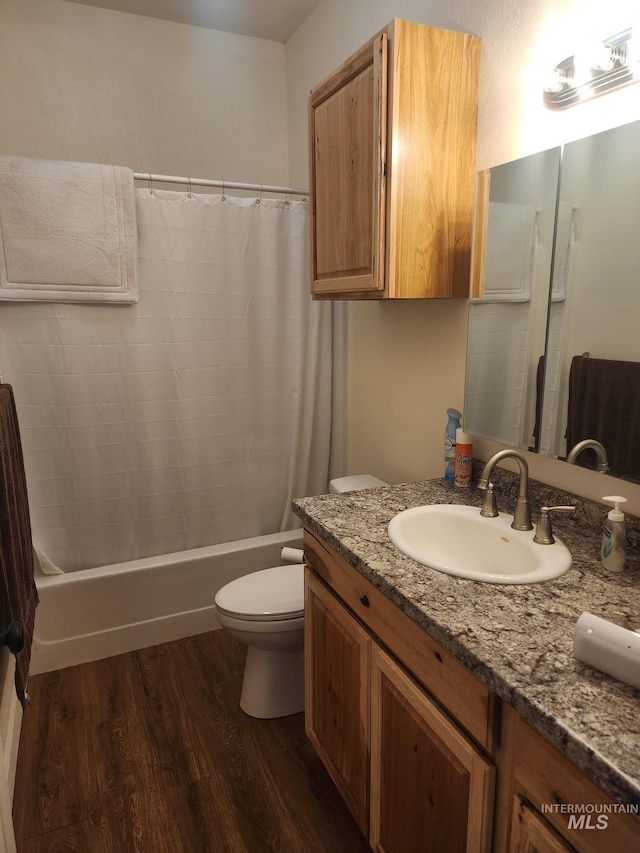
{"x":459,"y":541}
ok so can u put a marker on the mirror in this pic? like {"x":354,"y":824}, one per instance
{"x":584,"y":293}
{"x":507,"y":324}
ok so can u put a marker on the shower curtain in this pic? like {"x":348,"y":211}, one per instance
{"x":188,"y":419}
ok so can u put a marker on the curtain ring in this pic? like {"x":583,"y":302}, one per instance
{"x":189,"y":194}
{"x":288,"y":199}
{"x":223,"y":198}
{"x":150,"y":184}
{"x":259,"y":195}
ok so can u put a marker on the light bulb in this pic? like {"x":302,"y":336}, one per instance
{"x":557,"y":81}
{"x":633,"y":55}
{"x":604,"y":57}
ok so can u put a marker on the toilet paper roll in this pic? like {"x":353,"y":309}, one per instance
{"x":608,"y":647}
{"x":292,"y":555}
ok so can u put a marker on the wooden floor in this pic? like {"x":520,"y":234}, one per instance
{"x":149,"y":751}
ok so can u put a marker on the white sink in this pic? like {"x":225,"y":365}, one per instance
{"x":459,"y":541}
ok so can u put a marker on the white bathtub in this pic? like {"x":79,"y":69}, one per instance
{"x":97,"y":613}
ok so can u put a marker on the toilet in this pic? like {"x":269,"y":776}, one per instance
{"x":265,"y":610}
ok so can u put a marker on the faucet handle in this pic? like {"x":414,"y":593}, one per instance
{"x":544,"y":533}
{"x":489,"y":508}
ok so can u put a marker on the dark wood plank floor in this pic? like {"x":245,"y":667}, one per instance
{"x":149,"y":751}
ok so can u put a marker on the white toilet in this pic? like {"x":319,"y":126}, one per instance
{"x":265,"y":610}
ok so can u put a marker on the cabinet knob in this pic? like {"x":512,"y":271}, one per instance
{"x":365,"y":600}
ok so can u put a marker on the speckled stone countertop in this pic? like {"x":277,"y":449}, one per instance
{"x":517,"y":639}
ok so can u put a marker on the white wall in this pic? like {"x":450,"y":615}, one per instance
{"x":89,"y":84}
{"x":405,"y":363}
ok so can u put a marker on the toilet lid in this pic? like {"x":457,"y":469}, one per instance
{"x":265,"y":596}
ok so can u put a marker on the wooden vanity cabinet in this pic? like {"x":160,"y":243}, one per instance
{"x":543,"y":800}
{"x":337,"y":650}
{"x":411,"y":777}
{"x":392,"y":155}
{"x":414,"y":741}
{"x":431,"y":788}
{"x":530,"y":833}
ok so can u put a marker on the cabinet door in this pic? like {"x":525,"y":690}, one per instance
{"x":530,"y":833}
{"x":431,"y":789}
{"x":533,"y":770}
{"x":336,"y":652}
{"x":347,"y":126}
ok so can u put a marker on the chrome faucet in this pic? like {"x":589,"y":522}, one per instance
{"x":601,"y":453}
{"x":522,"y":514}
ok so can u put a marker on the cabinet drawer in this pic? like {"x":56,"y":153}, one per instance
{"x":469,"y":701}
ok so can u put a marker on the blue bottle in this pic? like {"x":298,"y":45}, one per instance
{"x":450,"y":444}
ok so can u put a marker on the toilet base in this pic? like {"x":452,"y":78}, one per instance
{"x":273,"y":683}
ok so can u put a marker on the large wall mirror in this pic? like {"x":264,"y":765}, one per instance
{"x":553,"y":354}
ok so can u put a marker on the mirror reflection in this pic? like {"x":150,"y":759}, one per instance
{"x":507,"y":324}
{"x":592,"y":382}
{"x":585,"y":393}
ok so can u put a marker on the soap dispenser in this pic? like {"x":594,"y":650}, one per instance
{"x":614,"y":536}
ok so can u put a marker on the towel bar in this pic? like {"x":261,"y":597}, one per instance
{"x":13,"y":638}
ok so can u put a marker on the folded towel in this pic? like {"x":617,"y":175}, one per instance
{"x":510,"y":252}
{"x":67,"y":232}
{"x":563,"y":252}
{"x":18,"y":595}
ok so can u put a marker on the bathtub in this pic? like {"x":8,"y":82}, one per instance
{"x":97,"y":613}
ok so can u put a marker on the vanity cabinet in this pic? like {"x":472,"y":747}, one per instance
{"x":431,"y":788}
{"x":337,"y":694}
{"x":392,"y":151}
{"x":530,"y":833}
{"x":410,"y":775}
{"x":546,"y":804}
{"x":424,"y":754}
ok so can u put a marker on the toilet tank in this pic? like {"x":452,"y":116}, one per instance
{"x":355,"y":483}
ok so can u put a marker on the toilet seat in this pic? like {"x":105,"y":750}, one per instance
{"x":269,"y":595}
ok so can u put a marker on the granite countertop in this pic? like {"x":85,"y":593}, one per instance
{"x":517,"y":639}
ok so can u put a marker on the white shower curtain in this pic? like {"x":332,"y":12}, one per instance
{"x":191,"y":418}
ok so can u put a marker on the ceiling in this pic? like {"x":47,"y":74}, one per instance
{"x":268,"y":19}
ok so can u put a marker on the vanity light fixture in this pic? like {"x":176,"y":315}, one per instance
{"x":614,"y":63}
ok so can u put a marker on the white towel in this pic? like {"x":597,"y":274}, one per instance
{"x":510,"y":252}
{"x":67,"y":232}
{"x":563,"y":252}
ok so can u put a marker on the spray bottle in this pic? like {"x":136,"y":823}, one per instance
{"x":450,"y":444}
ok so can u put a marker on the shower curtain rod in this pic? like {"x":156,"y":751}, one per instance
{"x":223,"y":185}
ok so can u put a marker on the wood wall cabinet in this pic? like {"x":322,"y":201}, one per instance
{"x":392,"y":156}
{"x":412,"y":779}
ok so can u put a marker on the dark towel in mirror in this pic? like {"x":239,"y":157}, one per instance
{"x":537,"y":427}
{"x":18,"y":595}
{"x":604,"y":404}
